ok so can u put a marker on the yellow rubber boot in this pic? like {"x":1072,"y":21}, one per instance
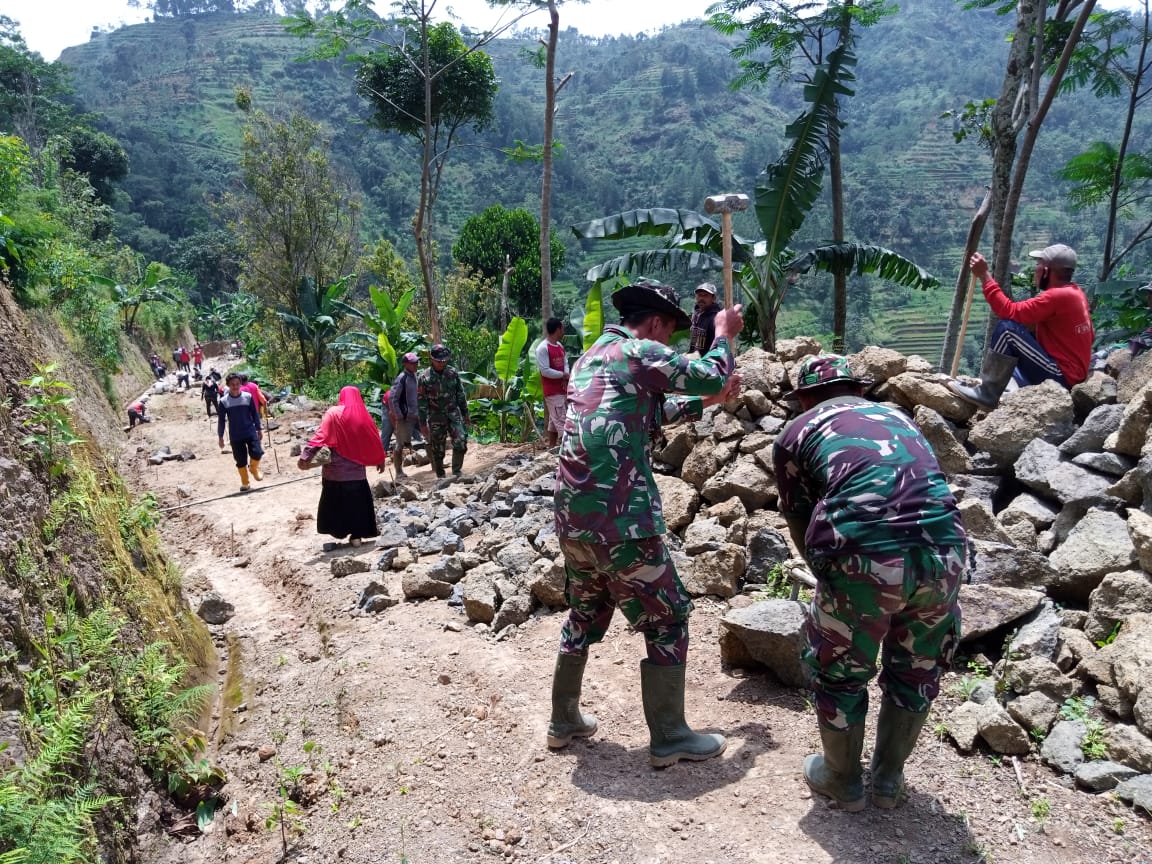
{"x":243,"y":472}
{"x":254,"y":467}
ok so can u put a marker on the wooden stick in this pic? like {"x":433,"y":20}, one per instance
{"x":726,"y":228}
{"x":964,"y":324}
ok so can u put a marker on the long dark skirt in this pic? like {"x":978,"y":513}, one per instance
{"x":346,"y":509}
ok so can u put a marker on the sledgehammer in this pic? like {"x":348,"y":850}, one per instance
{"x":726,"y":205}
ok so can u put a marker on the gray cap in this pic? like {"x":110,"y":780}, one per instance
{"x":707,"y":287}
{"x":1058,"y":255}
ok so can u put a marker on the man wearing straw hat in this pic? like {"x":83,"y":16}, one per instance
{"x":868,"y":506}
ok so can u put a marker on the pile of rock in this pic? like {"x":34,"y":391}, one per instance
{"x":1055,"y":488}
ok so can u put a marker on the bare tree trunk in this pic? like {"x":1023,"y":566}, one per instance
{"x":421,"y":225}
{"x":836,"y":182}
{"x":952,"y":344}
{"x":505,"y":285}
{"x":546,"y":181}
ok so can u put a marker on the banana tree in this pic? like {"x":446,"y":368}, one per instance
{"x":512,"y":392}
{"x":150,"y":287}
{"x":786,"y":192}
{"x":385,"y":339}
{"x":588,"y":323}
{"x":322,"y":310}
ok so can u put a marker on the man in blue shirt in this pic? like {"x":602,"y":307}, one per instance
{"x":238,"y":407}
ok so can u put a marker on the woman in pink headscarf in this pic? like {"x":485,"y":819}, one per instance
{"x":349,"y":432}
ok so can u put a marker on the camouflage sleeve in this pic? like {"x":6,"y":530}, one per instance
{"x":421,"y":401}
{"x":677,"y":408}
{"x":796,"y":499}
{"x":461,"y":397}
{"x":659,"y":369}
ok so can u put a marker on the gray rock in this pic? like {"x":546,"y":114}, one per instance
{"x":761,"y":370}
{"x":391,"y":534}
{"x":418,"y":584}
{"x":440,"y":540}
{"x":1074,"y":648}
{"x":1118,"y":596}
{"x":1098,"y":545}
{"x":1042,"y":412}
{"x":769,"y":633}
{"x":967,"y":487}
{"x":517,"y":556}
{"x":877,"y":363}
{"x":1112,"y":702}
{"x":1142,"y":711}
{"x":983,"y":691}
{"x":1097,"y":389}
{"x":989,"y":607}
{"x":1061,"y":749}
{"x":1102,"y":776}
{"x":1129,"y":747}
{"x":1023,"y":536}
{"x":746,"y":480}
{"x":1038,"y":673}
{"x":910,"y":389}
{"x":347,"y":566}
{"x":679,"y":500}
{"x":963,"y":725}
{"x":1133,"y":432}
{"x":1008,"y":567}
{"x":757,"y":403}
{"x":766,"y":549}
{"x":701,"y":465}
{"x":729,"y":512}
{"x":680,"y":443}
{"x":447,"y":568}
{"x":214,"y":609}
{"x":754,"y":442}
{"x":1104,"y":463}
{"x":1034,"y":711}
{"x":480,"y":599}
{"x":1094,"y":431}
{"x":1137,"y":791}
{"x":1140,"y":532}
{"x":704,"y":535}
{"x":1039,"y":634}
{"x":1041,"y":469}
{"x":513,"y":611}
{"x":1000,"y":731}
{"x":980,"y":524}
{"x":1028,"y":508}
{"x":374,"y":598}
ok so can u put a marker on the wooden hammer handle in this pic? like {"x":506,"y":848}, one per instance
{"x":726,"y":228}
{"x":964,"y":325}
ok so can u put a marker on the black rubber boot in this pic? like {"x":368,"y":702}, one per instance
{"x":457,"y":461}
{"x":896,"y":734}
{"x":567,"y":722}
{"x":994,"y":377}
{"x":837,"y":773}
{"x":671,"y":738}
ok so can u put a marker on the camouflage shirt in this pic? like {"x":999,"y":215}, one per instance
{"x":604,"y":487}
{"x":440,"y":396}
{"x":865,"y":479}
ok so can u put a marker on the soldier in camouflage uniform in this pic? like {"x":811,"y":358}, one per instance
{"x":867,"y":503}
{"x":608,"y":512}
{"x":443,"y":410}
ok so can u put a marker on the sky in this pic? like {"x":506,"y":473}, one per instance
{"x":50,"y":26}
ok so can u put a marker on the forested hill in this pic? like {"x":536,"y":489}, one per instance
{"x":645,"y":121}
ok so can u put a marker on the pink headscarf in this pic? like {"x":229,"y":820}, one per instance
{"x":349,"y":429}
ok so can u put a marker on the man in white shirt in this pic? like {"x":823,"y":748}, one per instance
{"x":553,"y":363}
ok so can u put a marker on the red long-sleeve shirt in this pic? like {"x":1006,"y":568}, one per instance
{"x":1062,"y":324}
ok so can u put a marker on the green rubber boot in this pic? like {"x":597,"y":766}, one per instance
{"x":896,"y":734}
{"x":567,"y":722}
{"x":457,"y":461}
{"x":837,"y":773}
{"x":671,"y":738}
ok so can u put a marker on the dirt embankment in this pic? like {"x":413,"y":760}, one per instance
{"x":412,"y":736}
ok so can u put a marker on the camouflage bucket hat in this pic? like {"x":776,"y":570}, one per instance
{"x":650,"y":295}
{"x":439,"y":352}
{"x":826,"y":369}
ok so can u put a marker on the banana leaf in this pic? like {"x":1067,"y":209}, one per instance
{"x":593,"y":323}
{"x":655,"y":260}
{"x":861,"y":258}
{"x":512,"y":342}
{"x":387,"y":352}
{"x":533,"y":387}
{"x":657,"y":221}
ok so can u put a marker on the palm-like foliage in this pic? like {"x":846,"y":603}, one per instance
{"x":321,"y":311}
{"x":785,"y":194}
{"x":151,"y":286}
{"x":380,"y":345}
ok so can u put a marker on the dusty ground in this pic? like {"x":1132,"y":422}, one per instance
{"x":416,"y":738}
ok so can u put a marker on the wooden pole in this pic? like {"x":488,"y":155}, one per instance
{"x":964,"y":324}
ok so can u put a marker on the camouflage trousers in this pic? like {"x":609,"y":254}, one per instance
{"x":439,"y":430}
{"x":640,"y":578}
{"x":901,"y":605}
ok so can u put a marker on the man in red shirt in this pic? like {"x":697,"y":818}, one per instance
{"x":553,"y":365}
{"x":1046,"y":337}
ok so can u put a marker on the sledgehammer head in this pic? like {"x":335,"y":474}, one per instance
{"x":725,"y":203}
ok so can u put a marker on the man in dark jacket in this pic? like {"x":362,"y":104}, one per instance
{"x":704,"y":319}
{"x":403,"y":409}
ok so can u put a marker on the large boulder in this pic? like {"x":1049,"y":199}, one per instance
{"x":944,"y":440}
{"x":1095,"y":390}
{"x":1007,"y":567}
{"x":760,"y":370}
{"x":1061,"y":749}
{"x":989,"y":607}
{"x":704,"y":535}
{"x":716,"y":572}
{"x":1118,"y":596}
{"x":1098,"y":545}
{"x":910,"y":389}
{"x":745,"y":480}
{"x":1038,"y":675}
{"x":1038,"y":635}
{"x":546,"y":582}
{"x":1042,"y":470}
{"x":767,"y":548}
{"x":876,"y":363}
{"x":701,"y":464}
{"x":419,"y":584}
{"x":679,"y":499}
{"x":1028,"y":508}
{"x":1092,"y":434}
{"x":1138,"y":790}
{"x":1130,"y":656}
{"x":1044,"y":412}
{"x":1132,"y":434}
{"x":1129,"y":747}
{"x":1140,"y":532}
{"x":980,"y":524}
{"x":1034,"y":711}
{"x":770,"y":634}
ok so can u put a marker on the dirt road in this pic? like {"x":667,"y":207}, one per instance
{"x":413,"y":737}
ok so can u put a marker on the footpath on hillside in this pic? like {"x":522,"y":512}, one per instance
{"x":412,"y":736}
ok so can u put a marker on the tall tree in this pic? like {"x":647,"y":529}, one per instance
{"x":788,"y":31}
{"x":1115,"y":174}
{"x":297,"y":221}
{"x":424,"y":82}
